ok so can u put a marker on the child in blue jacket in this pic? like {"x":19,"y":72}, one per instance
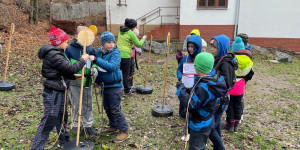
{"x":204,"y":101}
{"x":109,"y":77}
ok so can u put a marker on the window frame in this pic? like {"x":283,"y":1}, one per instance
{"x":216,"y":5}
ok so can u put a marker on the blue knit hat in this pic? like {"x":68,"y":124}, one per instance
{"x":106,"y":37}
{"x":237,"y":44}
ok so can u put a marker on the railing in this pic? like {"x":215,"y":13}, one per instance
{"x":157,"y":11}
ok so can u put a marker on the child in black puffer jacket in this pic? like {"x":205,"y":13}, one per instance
{"x":56,"y":69}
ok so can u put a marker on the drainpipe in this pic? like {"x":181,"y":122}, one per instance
{"x":237,"y":12}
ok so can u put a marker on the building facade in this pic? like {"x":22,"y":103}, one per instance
{"x":268,"y":23}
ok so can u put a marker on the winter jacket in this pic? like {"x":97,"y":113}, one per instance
{"x":126,"y":39}
{"x":55,"y":66}
{"x":225,"y":67}
{"x":110,"y":62}
{"x":204,"y":102}
{"x":245,"y":65}
{"x":190,"y":58}
{"x":74,"y":52}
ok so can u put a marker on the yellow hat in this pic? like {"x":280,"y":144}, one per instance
{"x":195,"y":31}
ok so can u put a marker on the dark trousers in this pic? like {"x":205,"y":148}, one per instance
{"x":112,"y":106}
{"x":215,"y":135}
{"x":53,"y":113}
{"x":131,"y":72}
{"x":125,"y":68}
{"x":198,"y":140}
{"x":235,"y":108}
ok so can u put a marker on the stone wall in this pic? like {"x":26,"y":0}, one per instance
{"x":63,"y":11}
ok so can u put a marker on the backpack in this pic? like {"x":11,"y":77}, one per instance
{"x":231,"y":78}
{"x":233,"y":62}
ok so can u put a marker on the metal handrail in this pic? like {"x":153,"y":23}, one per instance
{"x":159,"y":15}
{"x":155,"y":10}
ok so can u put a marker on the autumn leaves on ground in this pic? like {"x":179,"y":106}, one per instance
{"x":271,"y":117}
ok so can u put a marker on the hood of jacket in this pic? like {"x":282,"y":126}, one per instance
{"x":45,"y":49}
{"x":215,"y":84}
{"x":223,"y":45}
{"x":124,"y":29}
{"x":196,"y":39}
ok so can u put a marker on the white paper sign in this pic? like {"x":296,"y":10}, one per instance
{"x":188,"y":75}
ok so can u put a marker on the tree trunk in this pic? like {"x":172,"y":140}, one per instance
{"x":33,"y":12}
{"x":36,"y":11}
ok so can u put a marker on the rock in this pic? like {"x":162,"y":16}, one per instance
{"x":158,"y":48}
{"x":260,"y":49}
{"x":283,"y":57}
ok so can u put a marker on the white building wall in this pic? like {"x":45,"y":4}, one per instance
{"x":138,"y":8}
{"x":270,"y":18}
{"x":190,"y":15}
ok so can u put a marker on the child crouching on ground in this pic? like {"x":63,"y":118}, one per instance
{"x":56,"y":69}
{"x":109,"y":77}
{"x":204,"y":101}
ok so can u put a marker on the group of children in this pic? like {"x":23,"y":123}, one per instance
{"x":218,"y":85}
{"x":62,"y":66}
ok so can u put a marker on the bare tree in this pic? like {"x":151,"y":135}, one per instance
{"x":33,"y":12}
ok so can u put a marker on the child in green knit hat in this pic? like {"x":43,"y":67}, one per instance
{"x":204,"y":101}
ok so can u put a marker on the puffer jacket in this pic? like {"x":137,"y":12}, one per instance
{"x":56,"y":67}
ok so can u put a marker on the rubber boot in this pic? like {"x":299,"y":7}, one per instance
{"x":236,"y":125}
{"x":230,"y":126}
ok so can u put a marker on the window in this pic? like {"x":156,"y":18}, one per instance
{"x":211,"y":4}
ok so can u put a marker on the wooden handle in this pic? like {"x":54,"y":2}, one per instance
{"x":12,"y":30}
{"x":148,"y":61}
{"x":166,"y":70}
{"x":81,"y":91}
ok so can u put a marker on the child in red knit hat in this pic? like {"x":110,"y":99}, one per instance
{"x":57,"y":70}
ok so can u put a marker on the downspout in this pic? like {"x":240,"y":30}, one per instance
{"x":237,"y":13}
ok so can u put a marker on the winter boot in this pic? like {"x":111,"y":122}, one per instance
{"x":90,"y":131}
{"x":122,"y":135}
{"x":111,"y":130}
{"x":236,"y":125}
{"x":230,"y":126}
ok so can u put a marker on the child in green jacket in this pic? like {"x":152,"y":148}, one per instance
{"x":126,"y":39}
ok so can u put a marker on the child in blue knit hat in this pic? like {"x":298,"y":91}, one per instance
{"x":108,"y":58}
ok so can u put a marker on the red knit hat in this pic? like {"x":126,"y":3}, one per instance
{"x":57,"y":36}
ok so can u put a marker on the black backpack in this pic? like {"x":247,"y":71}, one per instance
{"x":232,"y":61}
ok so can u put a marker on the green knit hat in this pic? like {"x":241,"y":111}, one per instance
{"x":204,"y":62}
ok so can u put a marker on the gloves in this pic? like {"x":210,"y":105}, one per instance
{"x":95,"y":72}
{"x":179,"y":84}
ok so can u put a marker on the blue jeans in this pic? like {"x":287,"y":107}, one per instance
{"x":215,"y":134}
{"x":112,"y":106}
{"x":198,"y":140}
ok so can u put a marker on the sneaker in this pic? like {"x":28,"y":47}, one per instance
{"x":111,"y":130}
{"x":90,"y":131}
{"x":122,"y":135}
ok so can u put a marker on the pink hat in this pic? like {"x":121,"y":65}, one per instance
{"x":57,"y":36}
